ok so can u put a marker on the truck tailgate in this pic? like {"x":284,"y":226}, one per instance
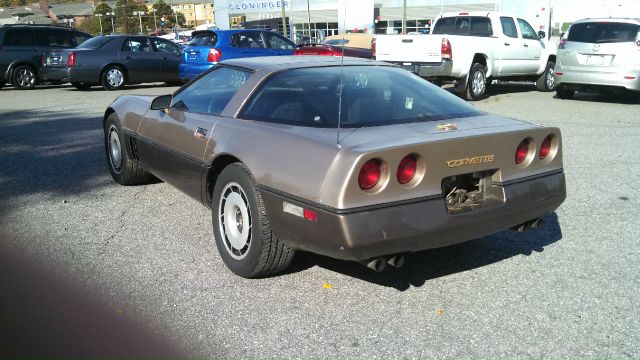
{"x":409,"y":48}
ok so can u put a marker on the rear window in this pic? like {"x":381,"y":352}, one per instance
{"x":337,"y":42}
{"x":464,"y":25}
{"x":208,"y":39}
{"x":603,"y":32}
{"x":371,"y":96}
{"x":95,"y":43}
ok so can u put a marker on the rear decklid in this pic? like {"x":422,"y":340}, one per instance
{"x":197,"y":52}
{"x":59,"y":58}
{"x":413,"y":48}
{"x":601,"y":45}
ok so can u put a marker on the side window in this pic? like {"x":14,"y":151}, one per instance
{"x":212,"y":92}
{"x":54,"y":37}
{"x":19,"y":37}
{"x":527,"y":31}
{"x":508,"y":27}
{"x":481,"y":26}
{"x":164,"y":46}
{"x":278,"y":42}
{"x":137,"y":45}
{"x":252,"y":39}
{"x":79,"y":38}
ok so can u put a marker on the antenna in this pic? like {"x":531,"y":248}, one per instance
{"x":344,"y":26}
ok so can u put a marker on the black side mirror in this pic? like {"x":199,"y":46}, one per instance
{"x":541,"y":34}
{"x":161,"y":102}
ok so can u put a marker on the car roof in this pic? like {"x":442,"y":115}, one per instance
{"x":275,"y":63}
{"x":619,"y":20}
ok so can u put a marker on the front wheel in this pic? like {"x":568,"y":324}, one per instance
{"x":113,"y":78}
{"x":241,"y":227}
{"x":477,"y":85}
{"x":24,"y":77}
{"x":547,"y":81}
{"x":124,"y":169}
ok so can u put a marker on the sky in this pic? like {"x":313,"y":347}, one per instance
{"x":571,"y":10}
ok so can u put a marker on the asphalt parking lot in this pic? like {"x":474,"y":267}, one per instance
{"x":95,"y":267}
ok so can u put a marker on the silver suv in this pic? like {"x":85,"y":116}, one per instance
{"x":599,"y":54}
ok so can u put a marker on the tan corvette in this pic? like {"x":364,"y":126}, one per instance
{"x":358,"y":161}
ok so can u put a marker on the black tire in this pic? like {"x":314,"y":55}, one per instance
{"x":477,"y":83}
{"x":123,"y":169}
{"x":113,"y":77}
{"x":81,"y":86}
{"x":547,"y":81}
{"x":256,"y":252}
{"x":24,"y":77}
{"x":1,"y":84}
{"x":564,"y":94}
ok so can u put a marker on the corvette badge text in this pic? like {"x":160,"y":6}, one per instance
{"x":471,"y":161}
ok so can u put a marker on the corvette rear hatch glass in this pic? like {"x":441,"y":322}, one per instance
{"x":371,"y":96}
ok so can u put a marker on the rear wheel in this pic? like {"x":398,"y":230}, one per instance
{"x":24,"y":77}
{"x":113,"y":78}
{"x":477,"y":84}
{"x":547,"y":81}
{"x":241,"y":226}
{"x":80,"y":86}
{"x":123,"y":169}
{"x":564,"y":93}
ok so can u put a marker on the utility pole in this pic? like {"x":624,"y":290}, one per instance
{"x":139,"y":13}
{"x":284,"y":19}
{"x":100,"y":20}
{"x":155,"y":23}
{"x":404,"y":17}
{"x":309,"y":19}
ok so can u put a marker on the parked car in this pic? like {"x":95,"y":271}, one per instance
{"x":22,"y":48}
{"x":471,"y":49}
{"x":114,"y":61}
{"x":354,"y":45}
{"x":361,"y":162}
{"x":208,"y":47}
{"x":599,"y":54}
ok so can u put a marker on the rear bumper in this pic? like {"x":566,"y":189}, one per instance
{"x":441,"y":69}
{"x":54,"y":74}
{"x":409,"y":227}
{"x":189,"y":71}
{"x":579,"y":80}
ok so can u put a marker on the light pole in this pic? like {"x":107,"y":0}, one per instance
{"x":111,"y":14}
{"x":155,"y":23}
{"x":100,"y":20}
{"x":139,"y":13}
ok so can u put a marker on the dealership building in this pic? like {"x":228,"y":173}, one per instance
{"x":341,"y":16}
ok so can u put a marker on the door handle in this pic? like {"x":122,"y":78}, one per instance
{"x":200,"y":133}
{"x":507,"y":44}
{"x":526,"y":45}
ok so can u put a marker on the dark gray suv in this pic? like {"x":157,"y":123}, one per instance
{"x":23,"y":46}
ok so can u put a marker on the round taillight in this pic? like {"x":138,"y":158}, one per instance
{"x":369,"y":174}
{"x":407,"y":169}
{"x":545,"y":148}
{"x":522,"y":151}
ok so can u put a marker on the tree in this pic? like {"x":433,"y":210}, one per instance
{"x":124,"y":15}
{"x":92,"y":25}
{"x":100,"y":9}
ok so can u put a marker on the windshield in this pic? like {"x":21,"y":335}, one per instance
{"x":95,"y":43}
{"x":208,"y":39}
{"x":603,"y":32}
{"x":371,"y":96}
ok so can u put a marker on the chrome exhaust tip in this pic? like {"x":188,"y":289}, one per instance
{"x":396,"y":261}
{"x":377,"y":264}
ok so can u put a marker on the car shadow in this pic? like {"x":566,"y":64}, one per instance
{"x":128,"y":87}
{"x":604,"y":98}
{"x":501,"y":88}
{"x":50,"y":154}
{"x":423,"y":266}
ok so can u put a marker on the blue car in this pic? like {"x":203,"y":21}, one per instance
{"x":208,"y":47}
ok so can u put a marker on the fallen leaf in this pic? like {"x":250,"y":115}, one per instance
{"x":327,"y":286}
{"x":440,"y":311}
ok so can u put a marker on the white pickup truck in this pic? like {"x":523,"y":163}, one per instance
{"x":471,"y":49}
